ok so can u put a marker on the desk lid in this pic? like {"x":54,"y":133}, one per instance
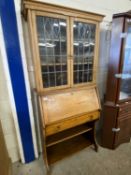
{"x":60,"y":106}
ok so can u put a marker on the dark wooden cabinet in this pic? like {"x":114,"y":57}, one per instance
{"x":117,"y":107}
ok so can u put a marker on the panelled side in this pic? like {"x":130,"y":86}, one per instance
{"x":110,"y":117}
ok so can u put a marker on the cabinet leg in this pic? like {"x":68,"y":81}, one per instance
{"x":48,"y":172}
{"x":94,"y":139}
{"x":48,"y":169}
{"x":96,"y":147}
{"x":46,"y":160}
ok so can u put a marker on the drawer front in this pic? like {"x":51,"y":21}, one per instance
{"x":70,"y":122}
{"x":125,"y":110}
{"x":124,"y":133}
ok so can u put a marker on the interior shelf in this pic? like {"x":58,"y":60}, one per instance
{"x":59,"y":64}
{"x":67,"y":134}
{"x":53,"y":64}
{"x":69,"y":147}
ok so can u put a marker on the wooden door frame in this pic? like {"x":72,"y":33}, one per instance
{"x":96,"y":51}
{"x":122,"y":54}
{"x":35,"y":50}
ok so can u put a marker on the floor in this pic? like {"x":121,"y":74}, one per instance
{"x":85,"y":162}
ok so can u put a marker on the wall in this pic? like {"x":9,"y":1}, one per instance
{"x":7,"y":118}
{"x":98,"y":6}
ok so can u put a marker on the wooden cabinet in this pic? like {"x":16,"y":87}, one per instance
{"x":65,"y":46}
{"x":117,"y":108}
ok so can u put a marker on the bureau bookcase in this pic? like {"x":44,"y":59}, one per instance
{"x":65,"y":44}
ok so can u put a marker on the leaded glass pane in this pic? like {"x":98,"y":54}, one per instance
{"x":125,"y":87}
{"x":52,"y":38}
{"x":84,"y":43}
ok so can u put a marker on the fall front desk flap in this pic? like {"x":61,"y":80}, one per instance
{"x":67,"y":104}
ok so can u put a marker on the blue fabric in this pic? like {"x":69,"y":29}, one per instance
{"x":10,"y":31}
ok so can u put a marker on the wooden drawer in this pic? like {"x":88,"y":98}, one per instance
{"x":70,"y":122}
{"x":125,"y":110}
{"x":124,"y":133}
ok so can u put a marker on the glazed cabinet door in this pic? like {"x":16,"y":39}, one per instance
{"x":125,"y":75}
{"x":51,"y":49}
{"x":65,"y":50}
{"x":83,"y":51}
